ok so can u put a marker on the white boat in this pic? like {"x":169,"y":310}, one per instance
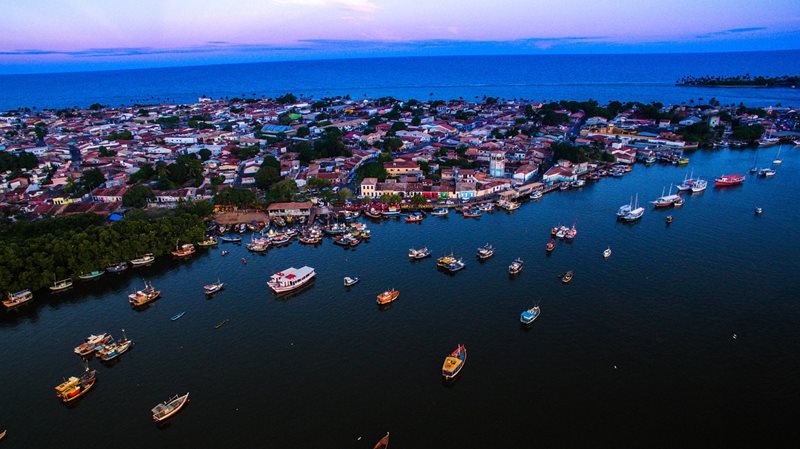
{"x":169,"y":408}
{"x":59,"y":286}
{"x":536,"y":195}
{"x":607,"y":253}
{"x":777,"y":160}
{"x":350,"y":280}
{"x":688,"y":182}
{"x":213,"y":287}
{"x":767,"y":172}
{"x":625,"y":209}
{"x":485,"y":252}
{"x":666,"y":200}
{"x":17,"y":299}
{"x":144,"y":260}
{"x":636,"y":213}
{"x":291,"y":279}
{"x":515,"y":267}
{"x":699,"y":185}
{"x":419,"y":253}
{"x":440,"y":212}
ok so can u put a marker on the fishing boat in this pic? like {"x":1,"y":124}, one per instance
{"x":471,"y":213}
{"x":114,"y":350}
{"x":562,"y":232}
{"x":515,"y":267}
{"x":550,"y":246}
{"x":440,"y":212}
{"x":607,"y":253}
{"x":118,"y":268}
{"x":699,"y":186}
{"x":280,"y":240}
{"x":678,"y":203}
{"x":350,"y":281}
{"x":571,"y":233}
{"x":486,"y":207}
{"x":169,"y":408}
{"x":419,"y":253}
{"x":279,"y":222}
{"x":291,"y":279}
{"x":387,"y":296}
{"x":213,"y":287}
{"x":92,"y":343}
{"x":17,"y":299}
{"x":665,"y":200}
{"x":415,"y":217}
{"x":144,"y":296}
{"x":90,"y":275}
{"x":372,"y":213}
{"x":60,"y":286}
{"x":258,"y":245}
{"x":454,"y":363}
{"x":177,"y":316}
{"x":75,"y":387}
{"x":391,"y":211}
{"x":636,"y":213}
{"x":221,"y":323}
{"x":450,"y":263}
{"x":208,"y":242}
{"x":537,"y":195}
{"x":728,"y":180}
{"x":486,"y":251}
{"x":530,"y":315}
{"x":184,"y":250}
{"x":144,"y":260}
{"x":233,"y":239}
{"x":669,"y":219}
{"x":508,"y":205}
{"x":767,"y":172}
{"x":567,"y":277}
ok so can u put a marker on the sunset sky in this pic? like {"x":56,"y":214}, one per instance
{"x":73,"y":35}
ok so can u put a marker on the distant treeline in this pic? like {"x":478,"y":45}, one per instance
{"x":33,"y":254}
{"x":741,"y":80}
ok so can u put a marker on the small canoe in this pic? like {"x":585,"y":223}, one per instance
{"x":221,"y":323}
{"x":567,"y":277}
{"x":178,"y":316}
{"x":3,"y":434}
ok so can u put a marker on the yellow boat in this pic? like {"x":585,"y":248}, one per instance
{"x":75,"y":387}
{"x":211,"y":241}
{"x":3,"y":434}
{"x":454,"y":363}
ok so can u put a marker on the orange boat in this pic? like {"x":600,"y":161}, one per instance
{"x":550,"y":245}
{"x":184,"y":250}
{"x":388,"y":296}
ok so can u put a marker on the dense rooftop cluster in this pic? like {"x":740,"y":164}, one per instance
{"x":248,"y":152}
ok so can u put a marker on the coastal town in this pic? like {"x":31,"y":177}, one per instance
{"x":106,"y":160}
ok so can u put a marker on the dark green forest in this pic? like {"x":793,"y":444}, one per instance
{"x":33,"y":254}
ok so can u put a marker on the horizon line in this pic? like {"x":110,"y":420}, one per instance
{"x":359,"y":58}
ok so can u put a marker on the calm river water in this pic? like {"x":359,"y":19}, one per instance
{"x":638,"y":351}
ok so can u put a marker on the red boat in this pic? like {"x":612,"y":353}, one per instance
{"x":550,"y":245}
{"x":729,"y":180}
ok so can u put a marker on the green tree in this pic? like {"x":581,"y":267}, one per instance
{"x":137,"y":196}
{"x":303,"y":131}
{"x":92,"y":179}
{"x":283,"y":190}
{"x":287,"y":99}
{"x":121,"y":135}
{"x":317,"y":183}
{"x":344,"y":194}
{"x":419,"y":200}
{"x":205,"y":154}
{"x":371,"y":170}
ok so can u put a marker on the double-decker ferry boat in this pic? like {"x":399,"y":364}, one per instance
{"x":291,"y":279}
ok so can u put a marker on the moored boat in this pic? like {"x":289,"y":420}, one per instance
{"x":508,"y":205}
{"x":90,"y":275}
{"x":113,"y":350}
{"x":92,"y":343}
{"x":388,"y":296}
{"x":184,"y":250}
{"x":75,"y":387}
{"x":471,"y":213}
{"x":536,"y":195}
{"x":454,"y":363}
{"x":208,"y":242}
{"x":530,"y":315}
{"x":728,"y":180}
{"x":419,"y":253}
{"x":550,"y":246}
{"x":440,"y":212}
{"x":144,"y":296}
{"x":213,"y":287}
{"x":350,"y":281}
{"x":567,"y":277}
{"x":60,"y":286}
{"x":118,"y":268}
{"x":634,"y":214}
{"x":486,"y":251}
{"x":291,"y":279}
{"x":169,"y":408}
{"x":17,"y":299}
{"x":144,"y":260}
{"x":450,"y":263}
{"x":607,"y":253}
{"x":415,"y":217}
{"x":666,"y":200}
{"x":767,"y":172}
{"x":759,"y":211}
{"x":515,"y":267}
{"x":699,"y":185}
{"x":177,"y":316}
{"x":231,"y":239}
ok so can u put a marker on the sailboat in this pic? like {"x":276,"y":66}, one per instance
{"x":777,"y":160}
{"x":688,"y":182}
{"x":666,"y":200}
{"x":754,"y":168}
{"x":636,"y":213}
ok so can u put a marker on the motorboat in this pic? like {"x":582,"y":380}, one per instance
{"x":454,"y":363}
{"x":530,"y":315}
{"x":291,"y":279}
{"x":515,"y":267}
{"x":350,"y":281}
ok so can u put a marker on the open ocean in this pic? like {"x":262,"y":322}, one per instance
{"x":637,"y":352}
{"x":638,"y":77}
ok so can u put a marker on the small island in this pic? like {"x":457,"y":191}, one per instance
{"x":740,"y":81}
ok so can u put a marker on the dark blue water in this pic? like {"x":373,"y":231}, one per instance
{"x":542,"y":77}
{"x":325,"y":367}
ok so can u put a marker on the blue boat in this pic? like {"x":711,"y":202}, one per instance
{"x":530,"y":315}
{"x":178,"y":316}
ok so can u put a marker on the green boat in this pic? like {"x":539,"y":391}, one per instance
{"x":91,"y":275}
